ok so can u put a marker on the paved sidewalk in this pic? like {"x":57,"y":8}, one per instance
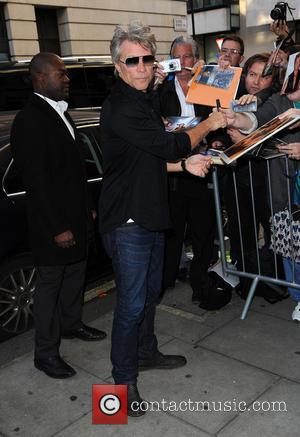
{"x":229,"y":360}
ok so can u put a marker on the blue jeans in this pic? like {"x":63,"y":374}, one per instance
{"x":288,"y":270}
{"x":137,"y":257}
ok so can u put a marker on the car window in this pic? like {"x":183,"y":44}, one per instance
{"x":78,"y":97}
{"x":99,"y":83}
{"x":90,"y":140}
{"x":90,"y":85}
{"x":12,"y":181}
{"x":15,"y":88}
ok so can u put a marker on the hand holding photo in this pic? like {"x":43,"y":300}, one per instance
{"x":250,"y":107}
{"x":210,"y":82}
{"x":215,"y":156}
{"x":258,"y":136}
{"x":292,"y":75}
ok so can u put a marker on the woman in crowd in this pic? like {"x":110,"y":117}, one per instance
{"x":282,"y":191}
{"x":262,"y":88}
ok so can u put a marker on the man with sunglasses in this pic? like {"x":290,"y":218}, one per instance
{"x":134,"y":204}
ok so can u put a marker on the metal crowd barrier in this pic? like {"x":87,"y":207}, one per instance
{"x":256,"y":276}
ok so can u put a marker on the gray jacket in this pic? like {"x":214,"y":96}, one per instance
{"x":282,"y":169}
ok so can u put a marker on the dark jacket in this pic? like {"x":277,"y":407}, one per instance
{"x":170,"y":105}
{"x":184,"y":183}
{"x":274,"y":106}
{"x":54,"y":177}
{"x":135,"y":150}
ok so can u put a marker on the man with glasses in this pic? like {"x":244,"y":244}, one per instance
{"x":189,"y":196}
{"x":134,"y":205}
{"x":232,"y":50}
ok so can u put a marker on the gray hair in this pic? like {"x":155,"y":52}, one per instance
{"x":136,"y":32}
{"x":181,"y":40}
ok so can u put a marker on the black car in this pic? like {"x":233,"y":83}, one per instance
{"x":91,"y":80}
{"x":17,"y":271}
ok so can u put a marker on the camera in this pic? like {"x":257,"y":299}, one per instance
{"x":171,"y":65}
{"x":279,"y":11}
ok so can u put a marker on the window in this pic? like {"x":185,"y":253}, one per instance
{"x":15,"y":88}
{"x":4,"y":48}
{"x":90,"y":85}
{"x":12,"y":181}
{"x":99,"y":82}
{"x":46,"y":22}
{"x":90,"y":140}
{"x":207,"y":4}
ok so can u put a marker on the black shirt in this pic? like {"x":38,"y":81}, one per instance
{"x":135,"y":149}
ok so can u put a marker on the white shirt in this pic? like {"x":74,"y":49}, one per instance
{"x":187,"y":109}
{"x":60,"y":107}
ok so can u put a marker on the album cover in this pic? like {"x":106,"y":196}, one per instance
{"x":177,"y":124}
{"x":257,"y":137}
{"x":211,"y":83}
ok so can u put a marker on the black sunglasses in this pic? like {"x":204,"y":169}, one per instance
{"x":134,"y":61}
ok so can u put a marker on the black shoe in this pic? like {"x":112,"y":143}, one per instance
{"x":135,"y":405}
{"x":86,"y":333}
{"x":162,"y":362}
{"x":55,"y":367}
{"x":196,"y":296}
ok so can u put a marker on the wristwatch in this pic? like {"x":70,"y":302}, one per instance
{"x":182,"y":163}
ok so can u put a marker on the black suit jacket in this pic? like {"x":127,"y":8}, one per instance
{"x":54,"y":177}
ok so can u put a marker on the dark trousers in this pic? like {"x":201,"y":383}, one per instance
{"x":57,"y":305}
{"x":137,"y":256}
{"x":198,"y":213}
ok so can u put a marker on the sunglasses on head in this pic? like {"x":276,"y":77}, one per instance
{"x":134,"y":60}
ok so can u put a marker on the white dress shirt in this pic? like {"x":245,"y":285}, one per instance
{"x":187,"y":109}
{"x":60,"y":107}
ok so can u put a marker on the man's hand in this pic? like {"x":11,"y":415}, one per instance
{"x":235,"y":135}
{"x":238,"y":120}
{"x":292,"y":150}
{"x":293,"y":112}
{"x":246,"y":99}
{"x":159,"y":75}
{"x":223,"y":63}
{"x":281,"y":59}
{"x":198,"y":64}
{"x":65,"y":239}
{"x":280,"y":28}
{"x":216,"y":120}
{"x":198,"y":165}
